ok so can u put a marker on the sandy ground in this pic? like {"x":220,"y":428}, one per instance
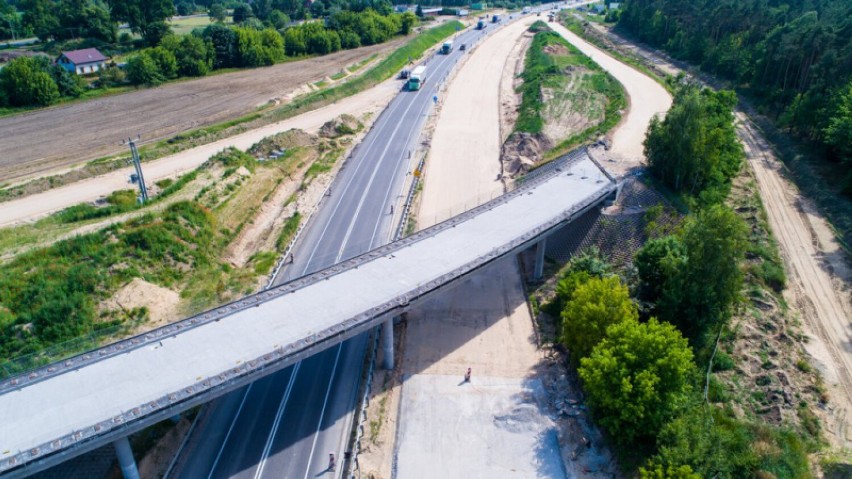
{"x":483,"y":324}
{"x":45,"y":140}
{"x":463,"y":164}
{"x":818,"y":275}
{"x":647,"y":98}
{"x":41,"y":204}
{"x":510,"y":99}
{"x":161,"y":302}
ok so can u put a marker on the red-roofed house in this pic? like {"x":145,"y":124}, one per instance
{"x":81,"y":62}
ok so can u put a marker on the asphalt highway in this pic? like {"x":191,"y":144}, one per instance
{"x":286,"y":424}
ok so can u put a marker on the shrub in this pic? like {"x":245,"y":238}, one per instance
{"x":637,"y":377}
{"x":143,"y":70}
{"x":593,"y":307}
{"x":25,"y":81}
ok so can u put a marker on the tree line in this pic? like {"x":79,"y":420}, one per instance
{"x":35,"y":81}
{"x":795,"y":58}
{"x":641,"y":340}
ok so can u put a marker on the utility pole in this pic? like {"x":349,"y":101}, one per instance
{"x":134,"y":153}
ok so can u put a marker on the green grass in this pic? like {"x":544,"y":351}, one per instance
{"x":339,"y":75}
{"x":289,"y":230}
{"x":120,"y":201}
{"x":185,"y":26}
{"x":354,"y":68}
{"x":263,"y":261}
{"x":545,"y":70}
{"x":51,"y":295}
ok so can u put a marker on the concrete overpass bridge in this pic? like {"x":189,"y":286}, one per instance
{"x":70,"y":407}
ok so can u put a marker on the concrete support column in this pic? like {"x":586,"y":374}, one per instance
{"x":538,"y":271}
{"x":387,"y":344}
{"x":125,"y":458}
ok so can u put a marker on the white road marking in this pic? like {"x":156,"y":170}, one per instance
{"x":268,"y":447}
{"x":230,"y":429}
{"x":322,"y":412}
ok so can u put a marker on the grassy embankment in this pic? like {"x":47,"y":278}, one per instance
{"x":53,"y":300}
{"x":558,"y":80}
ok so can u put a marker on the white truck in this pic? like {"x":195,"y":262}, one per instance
{"x":446,"y":48}
{"x":526,"y":10}
{"x":417,"y":78}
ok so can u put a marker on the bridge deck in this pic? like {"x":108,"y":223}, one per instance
{"x":110,"y":390}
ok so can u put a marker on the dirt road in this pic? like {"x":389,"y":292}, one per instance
{"x":819,"y":277}
{"x":41,"y":204}
{"x":45,"y":140}
{"x":464,"y":159}
{"x":647,"y":98}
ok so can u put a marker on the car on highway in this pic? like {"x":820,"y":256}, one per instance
{"x":462,"y":47}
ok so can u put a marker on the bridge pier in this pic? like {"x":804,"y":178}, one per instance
{"x":538,"y":271}
{"x":125,"y":458}
{"x":387,"y":344}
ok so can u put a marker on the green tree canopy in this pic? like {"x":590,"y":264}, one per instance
{"x":40,"y":17}
{"x":657,"y":263}
{"x":27,"y":81}
{"x":637,"y":377}
{"x":145,"y":17}
{"x":707,"y":286}
{"x":659,"y":471}
{"x":695,"y":148}
{"x":217,"y":12}
{"x":838,"y":133}
{"x":594,"y":306}
{"x":143,"y":70}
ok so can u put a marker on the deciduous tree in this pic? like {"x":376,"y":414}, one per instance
{"x":145,"y":17}
{"x":636,"y":377}
{"x":594,"y":306}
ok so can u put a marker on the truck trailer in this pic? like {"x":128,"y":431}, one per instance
{"x":481,"y":25}
{"x":417,"y":78}
{"x":446,"y":48}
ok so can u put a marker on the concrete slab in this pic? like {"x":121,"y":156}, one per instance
{"x":488,"y":428}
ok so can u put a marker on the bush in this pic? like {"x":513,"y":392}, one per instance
{"x":593,"y":307}
{"x":716,"y":444}
{"x":26,"y":81}
{"x":111,"y":76}
{"x":166,"y":62}
{"x":143,"y":70}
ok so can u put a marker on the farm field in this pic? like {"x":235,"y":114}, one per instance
{"x":53,"y":138}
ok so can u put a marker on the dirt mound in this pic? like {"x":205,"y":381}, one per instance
{"x":556,"y":49}
{"x":521,"y":152}
{"x":342,"y":125}
{"x":161,"y":302}
{"x":280,"y":142}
